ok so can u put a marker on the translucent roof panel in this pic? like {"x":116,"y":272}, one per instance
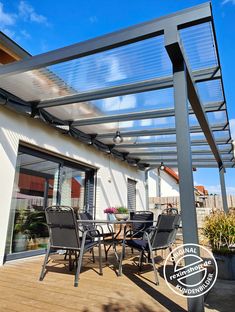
{"x":216,"y":118}
{"x":143,"y":60}
{"x":210,"y":91}
{"x":130,"y":125}
{"x":199,"y":46}
{"x":152,"y":100}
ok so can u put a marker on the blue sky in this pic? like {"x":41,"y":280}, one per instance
{"x":40,"y":26}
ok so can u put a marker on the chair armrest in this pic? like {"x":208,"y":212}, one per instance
{"x":91,"y":234}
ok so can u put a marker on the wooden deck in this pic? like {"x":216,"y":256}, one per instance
{"x":21,"y":291}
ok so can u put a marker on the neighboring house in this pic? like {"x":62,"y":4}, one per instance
{"x":165,"y":183}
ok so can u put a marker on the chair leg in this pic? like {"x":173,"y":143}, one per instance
{"x":78,"y":270}
{"x":172,"y":257}
{"x":105,"y":252}
{"x":121,"y":258}
{"x":154,"y":268}
{"x":44,"y":263}
{"x":93,"y":255}
{"x":100,"y":259}
{"x":141,"y":260}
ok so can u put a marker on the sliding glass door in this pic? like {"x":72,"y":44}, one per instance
{"x":42,"y":180}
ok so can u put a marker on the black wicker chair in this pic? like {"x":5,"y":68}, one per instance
{"x":138,"y":227}
{"x":65,"y":234}
{"x":161,"y":236}
{"x":106,"y":238}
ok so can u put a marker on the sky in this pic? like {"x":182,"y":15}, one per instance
{"x":41,"y":26}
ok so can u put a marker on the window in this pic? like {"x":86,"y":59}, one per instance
{"x":131,"y":194}
{"x":42,"y":180}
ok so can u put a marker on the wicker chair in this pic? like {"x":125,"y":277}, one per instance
{"x":64,"y":233}
{"x":160,"y":236}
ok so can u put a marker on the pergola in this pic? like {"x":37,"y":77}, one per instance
{"x":159,"y":83}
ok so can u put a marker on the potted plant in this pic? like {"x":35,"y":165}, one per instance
{"x":37,"y":229}
{"x":219,"y":229}
{"x":110,"y":211}
{"x":20,"y":233}
{"x":122,"y":213}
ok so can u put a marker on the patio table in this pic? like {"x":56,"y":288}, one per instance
{"x":116,"y":240}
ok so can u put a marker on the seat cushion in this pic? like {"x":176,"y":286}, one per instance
{"x":139,"y":244}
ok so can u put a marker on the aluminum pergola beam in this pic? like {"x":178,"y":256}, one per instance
{"x":184,"y":18}
{"x":194,"y":164}
{"x":194,"y":160}
{"x":160,"y":113}
{"x":170,"y":153}
{"x":223,"y":189}
{"x":176,"y":54}
{"x":160,"y":131}
{"x":164,"y":144}
{"x":132,"y":88}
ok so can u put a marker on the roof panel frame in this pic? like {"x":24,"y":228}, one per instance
{"x":160,"y":113}
{"x":184,"y":18}
{"x":177,"y":56}
{"x":132,"y":88}
{"x":160,"y":131}
{"x":165,"y":144}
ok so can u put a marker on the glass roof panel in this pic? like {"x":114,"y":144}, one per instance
{"x":210,"y":91}
{"x":159,"y":99}
{"x":139,"y":61}
{"x":199,"y":46}
{"x":216,"y":118}
{"x":130,"y":125}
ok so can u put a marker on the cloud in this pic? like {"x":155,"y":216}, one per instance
{"x":119,"y":103}
{"x":232,"y":128}
{"x":28,"y":13}
{"x":10,"y":33}
{"x":93,"y":19}
{"x":216,"y":189}
{"x":6,"y":19}
{"x":228,"y":1}
{"x":25,"y":34}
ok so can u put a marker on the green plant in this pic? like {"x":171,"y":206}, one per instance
{"x":219,"y":229}
{"x":20,"y":221}
{"x":36,"y":224}
{"x":122,"y":210}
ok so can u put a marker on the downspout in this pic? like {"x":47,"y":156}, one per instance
{"x":146,"y":183}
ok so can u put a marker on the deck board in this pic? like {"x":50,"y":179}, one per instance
{"x":20,"y":289}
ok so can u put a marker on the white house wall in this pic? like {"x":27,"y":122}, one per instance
{"x":153,"y":183}
{"x":111,"y":176}
{"x":168,"y":186}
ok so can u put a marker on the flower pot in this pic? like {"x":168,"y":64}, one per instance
{"x":121,"y":216}
{"x":226,"y":266}
{"x":111,"y":216}
{"x":20,"y":242}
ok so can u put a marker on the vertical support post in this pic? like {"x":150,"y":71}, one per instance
{"x":147,"y":188}
{"x":184,"y":156}
{"x":223,"y":189}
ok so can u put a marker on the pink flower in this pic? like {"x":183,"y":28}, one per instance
{"x":110,"y":210}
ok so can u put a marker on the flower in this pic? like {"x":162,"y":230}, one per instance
{"x":110,"y":210}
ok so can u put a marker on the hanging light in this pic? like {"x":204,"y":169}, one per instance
{"x":117,"y":139}
{"x":162,"y":166}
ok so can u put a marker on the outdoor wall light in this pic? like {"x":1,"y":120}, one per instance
{"x":162,"y":166}
{"x":117,"y":139}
